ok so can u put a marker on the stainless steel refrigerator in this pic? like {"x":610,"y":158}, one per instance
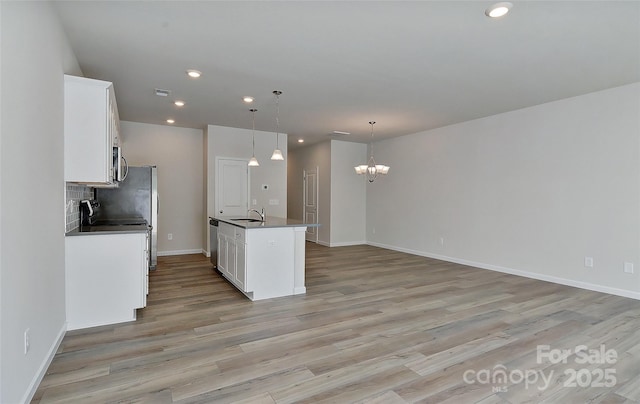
{"x":136,"y":197}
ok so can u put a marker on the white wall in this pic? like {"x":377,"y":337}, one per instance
{"x":531,"y":191}
{"x":348,"y":194}
{"x":177,"y":152}
{"x":308,"y":158}
{"x":223,"y":141}
{"x":35,"y":55}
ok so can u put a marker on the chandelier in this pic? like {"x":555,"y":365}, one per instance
{"x":371,"y":169}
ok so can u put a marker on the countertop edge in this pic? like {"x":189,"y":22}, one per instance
{"x":270,"y":222}
{"x":77,"y":232}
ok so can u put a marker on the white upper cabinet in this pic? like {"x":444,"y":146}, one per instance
{"x":91,"y":130}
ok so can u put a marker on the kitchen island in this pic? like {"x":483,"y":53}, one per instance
{"x":263,"y":259}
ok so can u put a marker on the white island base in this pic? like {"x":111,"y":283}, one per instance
{"x":263,"y":259}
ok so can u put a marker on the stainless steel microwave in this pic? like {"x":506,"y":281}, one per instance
{"x":120,"y":166}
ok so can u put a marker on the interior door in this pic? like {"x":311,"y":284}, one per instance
{"x":310,"y":200}
{"x":232,"y":187}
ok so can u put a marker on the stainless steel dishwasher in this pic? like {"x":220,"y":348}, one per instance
{"x":213,"y":242}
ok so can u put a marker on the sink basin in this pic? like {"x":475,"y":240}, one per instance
{"x":247,"y":220}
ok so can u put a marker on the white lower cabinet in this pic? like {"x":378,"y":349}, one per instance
{"x":232,"y":254}
{"x":222,"y":253}
{"x":241,"y":265}
{"x":106,"y":277}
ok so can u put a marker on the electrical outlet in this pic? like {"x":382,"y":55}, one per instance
{"x":170,"y":236}
{"x":274,"y":201}
{"x":588,"y":262}
{"x":628,"y":267}
{"x":254,"y":202}
{"x":27,"y":340}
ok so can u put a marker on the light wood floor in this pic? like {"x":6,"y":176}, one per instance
{"x":375,"y":326}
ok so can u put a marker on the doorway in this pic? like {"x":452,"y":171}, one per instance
{"x":310,"y":202}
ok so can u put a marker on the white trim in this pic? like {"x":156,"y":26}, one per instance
{"x":533,"y":275}
{"x":180,"y":252}
{"x":300,"y":290}
{"x":324,"y":243}
{"x":37,"y":378}
{"x":347,"y":243}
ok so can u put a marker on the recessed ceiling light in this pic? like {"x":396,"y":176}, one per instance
{"x":179,"y":103}
{"x":171,"y":121}
{"x":498,"y":9}
{"x":247,"y":99}
{"x":300,"y":140}
{"x":194,"y":74}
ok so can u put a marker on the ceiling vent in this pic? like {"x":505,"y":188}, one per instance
{"x":339,"y":133}
{"x":162,"y":93}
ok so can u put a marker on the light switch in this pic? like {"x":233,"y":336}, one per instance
{"x":628,"y":267}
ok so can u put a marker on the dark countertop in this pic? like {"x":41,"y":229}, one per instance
{"x":114,"y":229}
{"x":269,"y":222}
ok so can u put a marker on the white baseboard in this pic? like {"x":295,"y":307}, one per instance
{"x":342,"y":244}
{"x":180,"y":252}
{"x":42,"y":370}
{"x":301,"y":290}
{"x":347,"y":243}
{"x":527,"y":274}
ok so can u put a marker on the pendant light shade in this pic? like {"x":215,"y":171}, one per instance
{"x":371,"y":170}
{"x":277,"y":153}
{"x":253,"y":162}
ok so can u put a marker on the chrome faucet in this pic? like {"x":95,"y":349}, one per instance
{"x":258,"y":212}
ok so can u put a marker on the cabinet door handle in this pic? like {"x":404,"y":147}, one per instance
{"x":126,"y":168}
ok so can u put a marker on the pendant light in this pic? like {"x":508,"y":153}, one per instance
{"x":277,"y":153}
{"x":253,"y":162}
{"x":371,"y":169}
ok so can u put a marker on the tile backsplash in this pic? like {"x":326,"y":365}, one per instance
{"x":75,"y":194}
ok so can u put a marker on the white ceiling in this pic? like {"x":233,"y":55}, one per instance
{"x":410,"y":66}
